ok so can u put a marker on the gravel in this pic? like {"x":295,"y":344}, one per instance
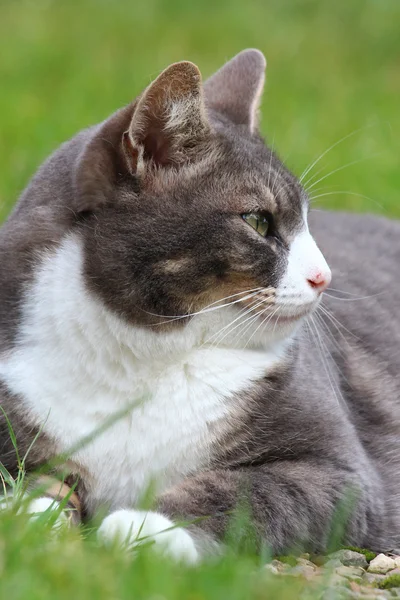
{"x":345,"y":574}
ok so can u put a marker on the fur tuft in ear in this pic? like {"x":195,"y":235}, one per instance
{"x":236,"y":89}
{"x":169,"y":120}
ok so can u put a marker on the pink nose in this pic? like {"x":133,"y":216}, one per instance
{"x":320,"y":281}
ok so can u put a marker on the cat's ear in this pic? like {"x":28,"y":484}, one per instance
{"x":168,"y":120}
{"x":236,"y":89}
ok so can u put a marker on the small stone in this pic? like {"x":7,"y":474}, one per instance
{"x":333,"y":563}
{"x":353,"y":573}
{"x":338,"y":580}
{"x":366,"y":592}
{"x":305,"y":555}
{"x":373,"y":578}
{"x":279,"y":565}
{"x":271,"y":569}
{"x":350,"y":558}
{"x":337,"y":593}
{"x":302,"y":571}
{"x":381,"y":564}
{"x":306,"y":563}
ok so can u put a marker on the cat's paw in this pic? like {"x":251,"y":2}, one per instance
{"x":38,"y":506}
{"x":134,"y":527}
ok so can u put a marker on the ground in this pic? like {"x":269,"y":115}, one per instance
{"x":333,"y":74}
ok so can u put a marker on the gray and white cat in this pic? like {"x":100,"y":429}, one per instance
{"x":161,"y":264}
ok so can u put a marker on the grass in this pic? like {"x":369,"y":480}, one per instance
{"x":64,"y":64}
{"x":393,"y":581}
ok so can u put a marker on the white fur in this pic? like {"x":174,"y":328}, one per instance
{"x":38,"y":506}
{"x":130,"y":528}
{"x":35,"y":507}
{"x":305,"y":262}
{"x":76,"y":364}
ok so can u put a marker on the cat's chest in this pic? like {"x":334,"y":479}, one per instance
{"x":156,"y":434}
{"x":133,"y":424}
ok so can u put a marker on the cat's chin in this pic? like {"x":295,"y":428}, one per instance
{"x":286,"y":320}
{"x":281,"y":328}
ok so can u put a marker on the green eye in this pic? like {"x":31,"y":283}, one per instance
{"x":259,"y":222}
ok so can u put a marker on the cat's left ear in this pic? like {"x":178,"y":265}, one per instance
{"x":235,"y":90}
{"x":168,"y":120}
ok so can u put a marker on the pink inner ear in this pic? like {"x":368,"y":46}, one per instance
{"x":157,"y":146}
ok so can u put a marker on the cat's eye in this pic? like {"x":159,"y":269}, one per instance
{"x":261,"y":222}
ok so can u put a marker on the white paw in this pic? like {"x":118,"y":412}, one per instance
{"x":133,"y":527}
{"x":38,"y":506}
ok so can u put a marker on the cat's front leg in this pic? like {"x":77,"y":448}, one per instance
{"x":291,"y":504}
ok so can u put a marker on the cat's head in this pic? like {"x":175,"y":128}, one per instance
{"x":187,"y":213}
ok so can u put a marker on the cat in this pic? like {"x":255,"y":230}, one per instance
{"x":163,"y":300}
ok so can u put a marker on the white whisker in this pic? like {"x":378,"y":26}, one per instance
{"x":309,"y":187}
{"x":249,"y":310}
{"x":313,"y":198}
{"x":324,"y":349}
{"x":209,"y":307}
{"x":346,"y":137}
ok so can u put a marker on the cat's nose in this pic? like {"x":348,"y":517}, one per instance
{"x":320,"y":280}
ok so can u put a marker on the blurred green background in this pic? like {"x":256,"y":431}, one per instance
{"x":333,"y":69}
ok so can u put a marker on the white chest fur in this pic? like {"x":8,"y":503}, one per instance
{"x":76,"y":364}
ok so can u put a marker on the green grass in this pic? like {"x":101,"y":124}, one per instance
{"x":393,"y":581}
{"x":65,"y":64}
{"x":36,"y":566}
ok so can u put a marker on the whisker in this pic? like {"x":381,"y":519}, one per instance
{"x":353,"y":299}
{"x":346,"y":137}
{"x":349,"y":193}
{"x":265,"y":321}
{"x":249,"y":310}
{"x":354,"y":162}
{"x":331,"y":289}
{"x":208,"y":308}
{"x":329,"y":333}
{"x":242,"y":313}
{"x":338,"y":348}
{"x":323,"y":349}
{"x":270,"y":162}
{"x":257,"y":316}
{"x":332,"y":317}
{"x":351,"y":294}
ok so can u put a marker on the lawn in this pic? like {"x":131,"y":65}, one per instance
{"x":333,"y":74}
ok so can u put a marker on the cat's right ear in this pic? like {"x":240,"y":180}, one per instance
{"x":168,"y":121}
